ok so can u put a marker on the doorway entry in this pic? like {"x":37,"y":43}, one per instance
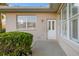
{"x":51,"y":25}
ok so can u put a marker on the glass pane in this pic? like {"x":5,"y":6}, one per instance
{"x":74,"y":10}
{"x":52,"y":25}
{"x":69,"y":10}
{"x":75,"y":29}
{"x":49,"y":25}
{"x":31,"y":22}
{"x":21,"y":22}
{"x":64,"y":12}
{"x":75,"y":7}
{"x":64,"y":28}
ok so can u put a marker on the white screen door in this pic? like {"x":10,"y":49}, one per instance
{"x":51,"y":25}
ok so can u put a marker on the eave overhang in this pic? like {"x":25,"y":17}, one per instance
{"x":53,"y":8}
{"x":25,"y":10}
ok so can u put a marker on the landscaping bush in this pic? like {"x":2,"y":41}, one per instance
{"x":2,"y":30}
{"x":15,"y":43}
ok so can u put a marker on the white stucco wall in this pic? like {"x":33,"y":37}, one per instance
{"x":41,"y":27}
{"x":10,"y":22}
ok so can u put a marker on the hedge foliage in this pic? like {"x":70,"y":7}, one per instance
{"x":2,"y":30}
{"x":15,"y":43}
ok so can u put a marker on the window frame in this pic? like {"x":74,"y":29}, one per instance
{"x":71,"y":11}
{"x":71,"y":37}
{"x":64,"y":7}
{"x":69,"y":19}
{"x":63,"y":21}
{"x":75,"y":16}
{"x":26,"y":23}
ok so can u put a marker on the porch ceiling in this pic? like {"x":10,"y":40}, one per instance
{"x":53,"y":7}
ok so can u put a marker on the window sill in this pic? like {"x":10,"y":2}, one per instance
{"x":26,"y":29}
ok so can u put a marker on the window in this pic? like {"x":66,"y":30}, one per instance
{"x":70,"y":24}
{"x":31,"y":22}
{"x":59,"y":23}
{"x":49,"y":25}
{"x":74,"y":7}
{"x":64,"y":28}
{"x":21,"y":22}
{"x":52,"y":25}
{"x":64,"y":12}
{"x":26,"y":22}
{"x":74,"y":20}
{"x":74,"y":29}
{"x":64,"y":18}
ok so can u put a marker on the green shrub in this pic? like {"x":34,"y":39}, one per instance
{"x":2,"y":30}
{"x":15,"y":43}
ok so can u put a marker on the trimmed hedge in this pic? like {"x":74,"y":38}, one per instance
{"x":2,"y":30}
{"x":15,"y":43}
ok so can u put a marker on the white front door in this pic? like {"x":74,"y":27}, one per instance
{"x":51,"y":25}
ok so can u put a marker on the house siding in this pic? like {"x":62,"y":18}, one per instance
{"x":41,"y":27}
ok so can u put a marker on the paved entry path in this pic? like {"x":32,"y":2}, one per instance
{"x":47,"y":48}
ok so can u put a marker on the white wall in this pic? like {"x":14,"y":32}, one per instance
{"x":41,"y":27}
{"x":10,"y":22}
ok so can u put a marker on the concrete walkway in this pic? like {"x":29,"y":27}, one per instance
{"x":47,"y":48}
